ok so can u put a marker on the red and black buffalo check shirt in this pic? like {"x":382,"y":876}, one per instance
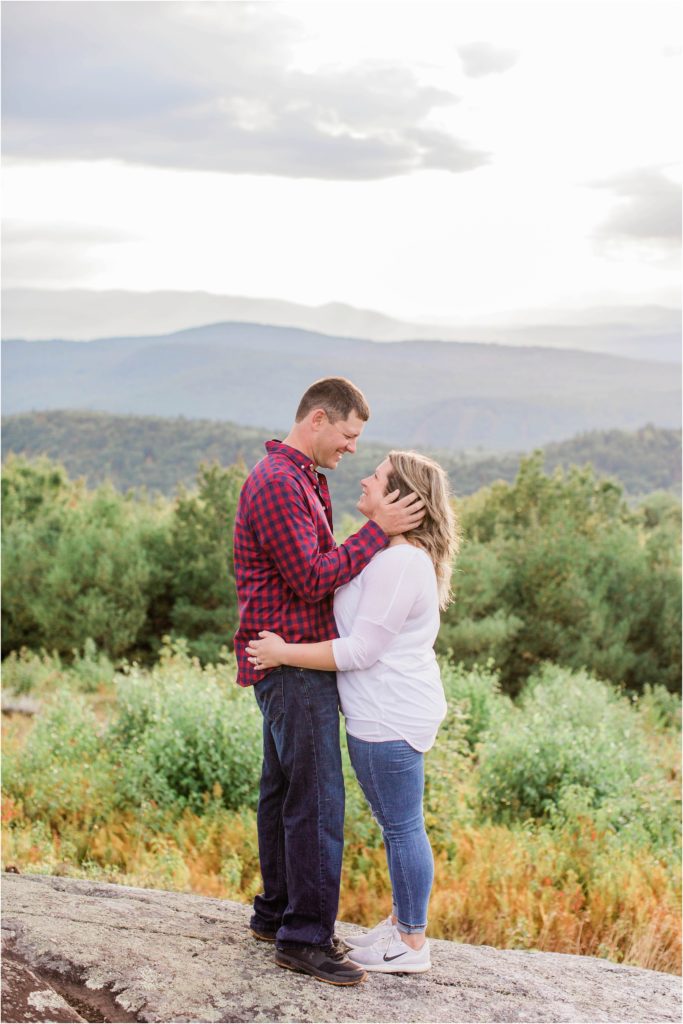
{"x":287,"y":564}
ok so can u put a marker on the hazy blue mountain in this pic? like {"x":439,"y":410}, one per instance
{"x":638,"y":332}
{"x":446,"y":395}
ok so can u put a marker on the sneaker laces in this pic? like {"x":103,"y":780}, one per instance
{"x":382,"y":945}
{"x":394,"y":936}
{"x":335,"y":949}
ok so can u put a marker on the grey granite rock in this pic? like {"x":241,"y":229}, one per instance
{"x":122,"y":954}
{"x":28,"y":998}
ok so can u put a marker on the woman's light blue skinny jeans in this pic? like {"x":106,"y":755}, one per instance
{"x":391,"y":775}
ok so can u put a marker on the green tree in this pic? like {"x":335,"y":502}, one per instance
{"x":96,"y":585}
{"x":35,"y":500}
{"x":77,"y":565}
{"x":557,"y":568}
{"x":204,"y":608}
{"x":31,"y":487}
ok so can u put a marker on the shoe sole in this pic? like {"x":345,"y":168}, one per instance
{"x":411,"y":969}
{"x":327,"y":981}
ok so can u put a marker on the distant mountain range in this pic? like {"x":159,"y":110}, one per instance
{"x":160,"y":454}
{"x":637,"y":332}
{"x":428,"y":394}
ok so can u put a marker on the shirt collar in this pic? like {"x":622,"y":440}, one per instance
{"x":302,"y":461}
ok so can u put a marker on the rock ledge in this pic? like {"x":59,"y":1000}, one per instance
{"x":77,"y":950}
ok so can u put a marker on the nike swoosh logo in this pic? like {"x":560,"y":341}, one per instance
{"x":388,"y":958}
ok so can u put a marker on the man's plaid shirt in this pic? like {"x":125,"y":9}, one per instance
{"x":287,"y":564}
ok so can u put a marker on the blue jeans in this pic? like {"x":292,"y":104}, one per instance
{"x":391,"y":775}
{"x":300,"y":816}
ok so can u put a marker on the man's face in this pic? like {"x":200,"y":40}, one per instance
{"x":333,"y":440}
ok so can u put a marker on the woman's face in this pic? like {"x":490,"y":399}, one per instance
{"x":373,"y":488}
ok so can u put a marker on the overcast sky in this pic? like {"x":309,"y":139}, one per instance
{"x":456,"y":160}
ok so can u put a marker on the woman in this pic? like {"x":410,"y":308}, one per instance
{"x":391,"y":694}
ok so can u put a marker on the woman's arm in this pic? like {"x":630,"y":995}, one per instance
{"x":390,"y":589}
{"x":270,"y":650}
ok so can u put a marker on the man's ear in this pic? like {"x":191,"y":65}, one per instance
{"x":318,"y":419}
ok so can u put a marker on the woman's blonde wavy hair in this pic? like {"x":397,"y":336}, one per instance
{"x":438,"y":531}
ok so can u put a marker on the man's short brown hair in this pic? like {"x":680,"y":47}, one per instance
{"x":337,"y":396}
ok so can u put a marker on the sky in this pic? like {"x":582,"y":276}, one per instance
{"x":434,"y":161}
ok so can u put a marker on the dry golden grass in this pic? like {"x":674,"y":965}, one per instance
{"x":569,"y":892}
{"x":562,"y":892}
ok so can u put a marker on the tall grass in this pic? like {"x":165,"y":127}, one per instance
{"x":552,"y":819}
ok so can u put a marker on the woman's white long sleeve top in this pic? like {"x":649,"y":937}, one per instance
{"x":388,"y":677}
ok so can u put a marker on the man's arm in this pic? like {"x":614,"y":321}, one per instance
{"x":286,"y":531}
{"x":389,"y":593}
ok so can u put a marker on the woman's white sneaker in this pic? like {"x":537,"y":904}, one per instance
{"x":364,"y":939}
{"x":391,"y":955}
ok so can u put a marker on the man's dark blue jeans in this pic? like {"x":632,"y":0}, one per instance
{"x":301,"y":806}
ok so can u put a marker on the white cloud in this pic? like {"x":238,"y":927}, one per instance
{"x":648,"y":209}
{"x":167,"y":84}
{"x":481,"y":58}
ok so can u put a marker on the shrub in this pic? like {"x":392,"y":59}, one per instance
{"x":660,"y":709}
{"x":63,"y":773}
{"x":474,"y":695}
{"x":91,"y":668}
{"x":182,"y":736}
{"x":574,"y":748}
{"x":23,"y":671}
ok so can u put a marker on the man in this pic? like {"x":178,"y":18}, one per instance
{"x":287,"y":567}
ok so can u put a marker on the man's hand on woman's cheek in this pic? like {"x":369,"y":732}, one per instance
{"x":397,"y":515}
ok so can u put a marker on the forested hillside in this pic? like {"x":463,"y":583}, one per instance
{"x":160,"y":454}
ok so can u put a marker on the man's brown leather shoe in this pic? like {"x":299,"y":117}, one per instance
{"x":323,"y":964}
